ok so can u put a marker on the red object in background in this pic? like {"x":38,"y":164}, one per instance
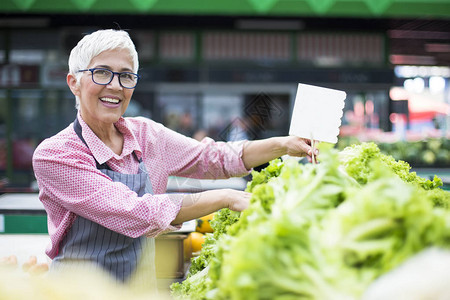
{"x":19,"y":75}
{"x":22,"y":154}
{"x":422,"y":108}
{"x":2,"y":155}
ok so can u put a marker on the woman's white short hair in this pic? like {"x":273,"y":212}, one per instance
{"x":95,"y":43}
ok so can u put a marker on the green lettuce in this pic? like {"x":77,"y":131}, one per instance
{"x":357,"y":159}
{"x":323,"y":231}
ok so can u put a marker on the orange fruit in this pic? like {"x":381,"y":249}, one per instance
{"x":9,"y":261}
{"x":30,"y":262}
{"x":203,"y":224}
{"x":38,"y":269}
{"x":197,"y":239}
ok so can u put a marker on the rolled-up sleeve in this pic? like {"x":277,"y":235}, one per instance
{"x":206,"y":159}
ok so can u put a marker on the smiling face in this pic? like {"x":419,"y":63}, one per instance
{"x":103,"y":105}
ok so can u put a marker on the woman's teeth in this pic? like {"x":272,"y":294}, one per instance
{"x":110,"y":100}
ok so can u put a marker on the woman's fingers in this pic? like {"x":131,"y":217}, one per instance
{"x":239,"y":200}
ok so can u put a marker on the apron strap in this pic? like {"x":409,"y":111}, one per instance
{"x":78,"y":130}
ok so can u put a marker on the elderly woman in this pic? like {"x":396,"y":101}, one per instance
{"x":103,"y":179}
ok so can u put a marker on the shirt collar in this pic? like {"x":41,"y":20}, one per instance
{"x":103,"y":153}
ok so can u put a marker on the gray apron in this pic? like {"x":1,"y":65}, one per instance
{"x":89,"y":242}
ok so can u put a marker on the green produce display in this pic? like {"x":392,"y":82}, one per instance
{"x":323,"y":231}
{"x":430,"y":152}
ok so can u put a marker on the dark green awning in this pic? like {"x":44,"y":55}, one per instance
{"x":327,"y":8}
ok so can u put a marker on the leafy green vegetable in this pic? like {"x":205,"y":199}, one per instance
{"x":428,"y":152}
{"x":198,"y":279}
{"x":194,"y":287}
{"x":357,"y":159}
{"x":323,"y":231}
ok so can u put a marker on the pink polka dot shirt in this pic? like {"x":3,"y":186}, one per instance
{"x":71,"y":185}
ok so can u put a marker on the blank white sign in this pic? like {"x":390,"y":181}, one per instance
{"x":317,"y":113}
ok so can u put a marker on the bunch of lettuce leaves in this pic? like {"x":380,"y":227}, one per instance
{"x":357,"y":160}
{"x":198,"y":280}
{"x":323,"y":231}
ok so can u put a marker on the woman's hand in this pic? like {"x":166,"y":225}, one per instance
{"x":201,"y":204}
{"x":256,"y":153}
{"x":300,"y":147}
{"x":237,"y":200}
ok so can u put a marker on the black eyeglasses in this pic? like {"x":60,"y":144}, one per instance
{"x":102,"y":76}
